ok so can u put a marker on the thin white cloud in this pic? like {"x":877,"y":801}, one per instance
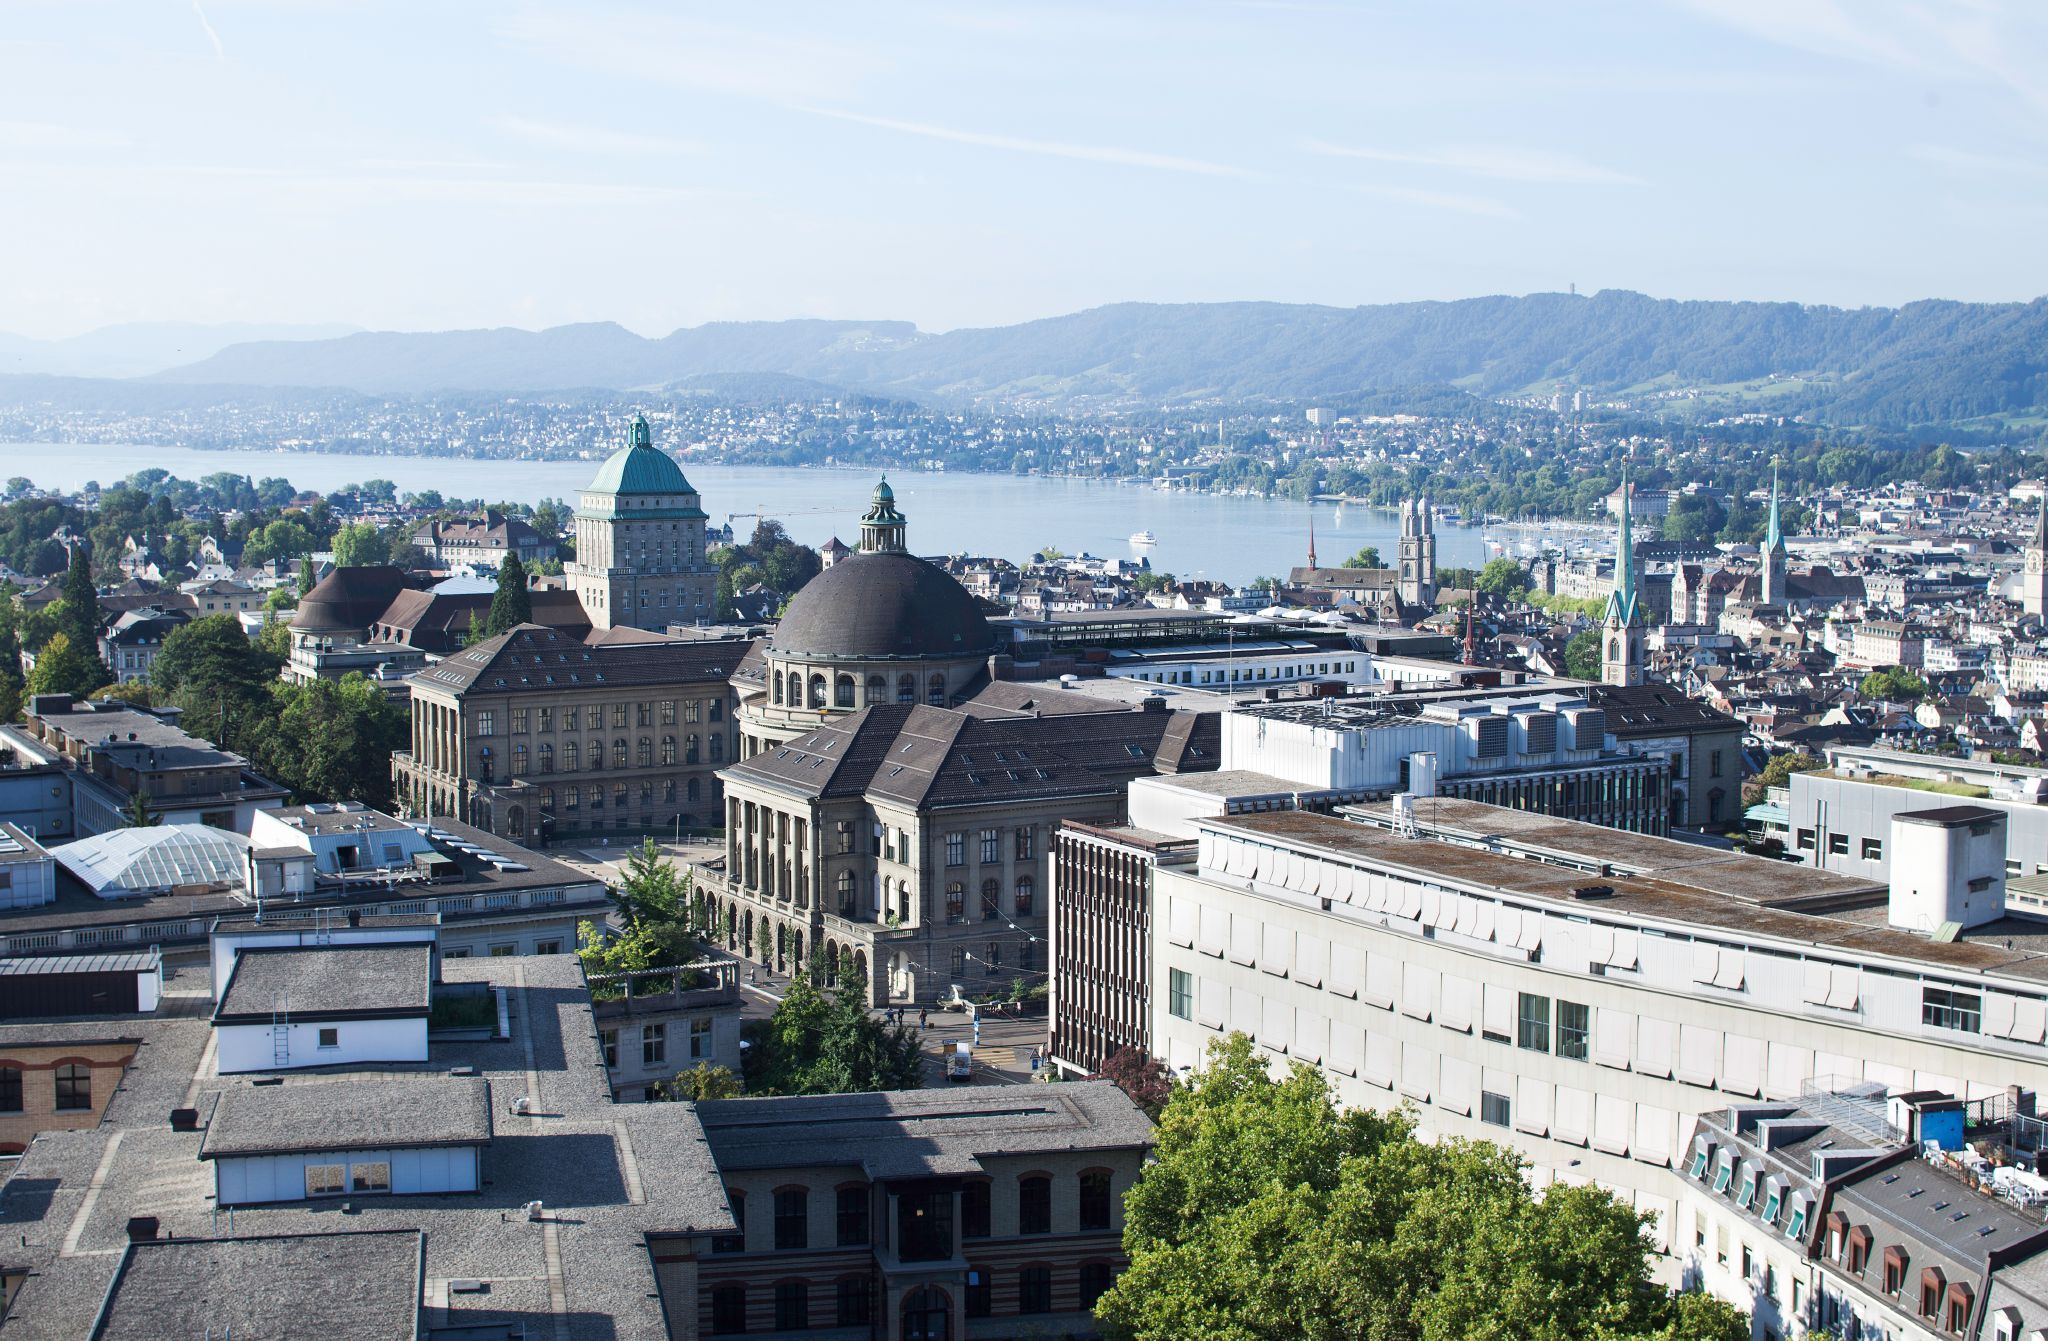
{"x":1479,"y":206}
{"x":1970,"y":160}
{"x":1087,"y":153}
{"x":1500,"y":164}
{"x":590,"y":139}
{"x":33,"y":135}
{"x":220,"y":53}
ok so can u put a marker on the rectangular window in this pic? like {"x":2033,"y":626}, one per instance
{"x":504,"y":950}
{"x":1772,"y":1198}
{"x":1533,"y":1027}
{"x":700,"y":1038}
{"x":980,"y":1293}
{"x":844,"y":829}
{"x":924,"y":1226}
{"x":991,"y":846}
{"x":1873,"y":849}
{"x":1574,"y":1030}
{"x":610,"y":1038}
{"x":974,"y":1211}
{"x":792,"y":1220}
{"x":1493,"y":1108}
{"x":1034,"y":1205}
{"x":653,"y":1044}
{"x":1180,"y":994}
{"x":330,"y":1038}
{"x":1714,"y":764}
{"x":668,"y":712}
{"x":1838,"y":845}
{"x":618,"y":714}
{"x":519,"y":721}
{"x":956,"y":849}
{"x":728,"y":1309}
{"x":74,"y":1088}
{"x":792,"y":1306}
{"x":853,"y":1217}
{"x":1034,"y":1290}
{"x":487,"y":724}
{"x":571,"y":716}
{"x":323,"y":1180}
{"x":1946,"y":1008}
{"x":856,"y":1301}
{"x":10,"y":1089}
{"x":1805,"y":840}
{"x":1026,"y":843}
{"x":547,"y":947}
{"x":1095,"y":1200}
{"x":546,"y":722}
{"x":371,"y":1177}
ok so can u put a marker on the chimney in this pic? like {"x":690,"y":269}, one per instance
{"x":142,"y":1228}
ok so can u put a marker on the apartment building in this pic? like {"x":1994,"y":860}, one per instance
{"x":1577,"y":993}
{"x":1100,"y":933}
{"x":654,"y":1023}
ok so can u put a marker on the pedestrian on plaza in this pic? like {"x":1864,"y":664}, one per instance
{"x":924,"y":1018}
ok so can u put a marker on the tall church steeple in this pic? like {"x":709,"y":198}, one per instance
{"x":1415,"y":572}
{"x":1621,"y":644}
{"x":2034,"y":577}
{"x":1774,"y":550}
{"x":882,"y":526}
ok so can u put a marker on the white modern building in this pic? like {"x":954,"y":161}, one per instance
{"x":1577,"y":993}
{"x":28,"y":874}
{"x":288,"y":1008}
{"x":350,"y":1138}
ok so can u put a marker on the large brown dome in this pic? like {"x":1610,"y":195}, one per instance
{"x":885,"y":605}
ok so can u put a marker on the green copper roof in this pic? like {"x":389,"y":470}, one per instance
{"x":640,"y":468}
{"x":1774,"y":535}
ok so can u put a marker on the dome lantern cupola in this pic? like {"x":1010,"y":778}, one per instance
{"x":882,"y":526}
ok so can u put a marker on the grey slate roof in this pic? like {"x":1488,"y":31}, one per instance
{"x":327,"y":982}
{"x":923,"y":756}
{"x":535,"y":658}
{"x":363,"y":1286}
{"x":349,"y":1114}
{"x":920,"y":1133}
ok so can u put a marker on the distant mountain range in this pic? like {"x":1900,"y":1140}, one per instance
{"x":136,"y":349}
{"x":1928,"y":363}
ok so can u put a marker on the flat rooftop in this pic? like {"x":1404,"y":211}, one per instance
{"x":1233,"y":782}
{"x":327,"y":982}
{"x":919,"y":1133}
{"x":349,"y":1113}
{"x":1709,"y":891}
{"x":363,"y":1286}
{"x":323,"y":819}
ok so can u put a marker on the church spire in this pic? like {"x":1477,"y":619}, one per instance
{"x":1774,"y":535}
{"x":1311,"y":537}
{"x":1621,"y":602}
{"x":2041,"y":523}
{"x":642,"y":435}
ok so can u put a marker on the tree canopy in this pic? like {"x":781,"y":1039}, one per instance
{"x":1269,"y":1214}
{"x":62,"y":668}
{"x":815,"y":1044}
{"x":512,"y":605}
{"x":652,"y":903}
{"x":1896,"y":684}
{"x":360,"y":545}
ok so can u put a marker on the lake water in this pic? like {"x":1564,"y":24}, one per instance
{"x":1199,"y":535}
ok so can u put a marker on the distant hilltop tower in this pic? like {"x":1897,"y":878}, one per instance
{"x":1415,"y":582}
{"x":1621,"y":640}
{"x":2034,"y":582}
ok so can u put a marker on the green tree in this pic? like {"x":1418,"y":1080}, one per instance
{"x":78,"y":609}
{"x":513,"y":603}
{"x":1895,"y":684}
{"x":704,"y":1082}
{"x":814,"y":1044}
{"x":1697,"y":518}
{"x":360,"y":545}
{"x":209,"y":668}
{"x":306,"y":579}
{"x":1502,"y":577}
{"x":138,"y":814}
{"x":330,"y":739}
{"x":1369,"y":557}
{"x":651,"y":906}
{"x":63,"y":669}
{"x":1268,"y":1213}
{"x":1582,"y":655}
{"x":1779,"y":767}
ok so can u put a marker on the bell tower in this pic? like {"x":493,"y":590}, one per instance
{"x":882,"y":526}
{"x":1621,"y":637}
{"x":2034,"y":578}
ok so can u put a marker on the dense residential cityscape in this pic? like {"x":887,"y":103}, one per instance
{"x":1268,"y":672}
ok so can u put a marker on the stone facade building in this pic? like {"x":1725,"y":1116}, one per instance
{"x":640,"y":542}
{"x":537,"y":736}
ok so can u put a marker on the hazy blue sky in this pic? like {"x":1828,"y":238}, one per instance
{"x":428,"y":163}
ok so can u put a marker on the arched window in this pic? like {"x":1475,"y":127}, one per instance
{"x":991,"y":901}
{"x":690,"y":748}
{"x":878,"y":690}
{"x":668,"y":751}
{"x":718,"y":749}
{"x":906,"y":688}
{"x":842,"y":692}
{"x":644,"y":755}
{"x":547,"y":757}
{"x":547,"y":799}
{"x":927,"y":1315}
{"x":817,"y":691}
{"x":692,"y":791}
{"x":1026,"y":891}
{"x":519,"y":758}
{"x":775,"y":688}
{"x":846,"y":893}
{"x":572,"y":756}
{"x":619,"y":752}
{"x":937,"y":692}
